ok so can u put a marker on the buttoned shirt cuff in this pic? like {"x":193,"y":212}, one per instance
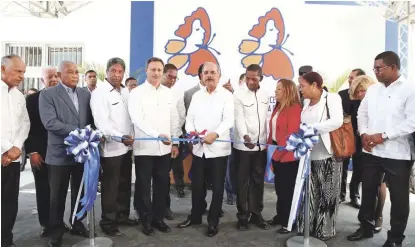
{"x":390,"y":134}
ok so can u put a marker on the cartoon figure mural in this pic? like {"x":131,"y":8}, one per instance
{"x":193,"y":48}
{"x":266,"y":49}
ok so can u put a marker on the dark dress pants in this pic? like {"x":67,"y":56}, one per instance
{"x":115,"y":188}
{"x":250,"y":173}
{"x":201,"y":166}
{"x":397,"y":176}
{"x":41,"y":177}
{"x":154,"y":168}
{"x":59,"y":177}
{"x":10,"y":181}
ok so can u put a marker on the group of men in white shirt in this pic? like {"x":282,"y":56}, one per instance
{"x":154,"y":114}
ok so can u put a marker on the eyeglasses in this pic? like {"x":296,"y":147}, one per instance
{"x":379,"y":69}
{"x":173,"y":78}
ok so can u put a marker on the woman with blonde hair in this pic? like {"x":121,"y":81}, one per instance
{"x":357,"y":92}
{"x":285,"y":120}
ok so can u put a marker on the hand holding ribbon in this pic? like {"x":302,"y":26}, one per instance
{"x":83,"y":144}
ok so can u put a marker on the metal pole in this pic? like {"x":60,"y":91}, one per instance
{"x":93,"y":241}
{"x":91,"y":227}
{"x":307,"y":211}
{"x":306,"y":241}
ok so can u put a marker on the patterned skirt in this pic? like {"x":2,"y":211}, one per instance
{"x":325,"y":179}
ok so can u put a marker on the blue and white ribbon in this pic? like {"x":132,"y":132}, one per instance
{"x":304,"y":140}
{"x":83,"y":144}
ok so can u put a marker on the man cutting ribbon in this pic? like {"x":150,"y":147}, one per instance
{"x":211,"y":109}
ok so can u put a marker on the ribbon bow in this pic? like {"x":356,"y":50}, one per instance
{"x":83,"y":144}
{"x":301,"y":142}
{"x":194,"y":137}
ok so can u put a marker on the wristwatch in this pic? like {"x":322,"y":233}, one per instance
{"x":384,"y":136}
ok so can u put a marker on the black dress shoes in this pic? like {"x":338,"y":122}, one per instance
{"x":355,"y":203}
{"x":259,"y":222}
{"x":275,"y":221}
{"x":127,"y":222}
{"x":187,"y":223}
{"x":111,"y":230}
{"x":283,"y":230}
{"x":147,"y":229}
{"x":55,"y":242}
{"x":360,"y":234}
{"x":212,"y":231}
{"x":242,"y":226}
{"x":389,"y":243}
{"x":161,"y":226}
{"x":78,"y":229}
{"x":44,"y":231}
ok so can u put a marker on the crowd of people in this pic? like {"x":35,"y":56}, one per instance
{"x":382,"y":115}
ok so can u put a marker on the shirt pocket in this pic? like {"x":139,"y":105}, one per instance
{"x":250,"y":108}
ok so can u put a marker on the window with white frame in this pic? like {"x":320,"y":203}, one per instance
{"x":36,"y":56}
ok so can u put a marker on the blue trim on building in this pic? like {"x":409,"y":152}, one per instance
{"x":341,"y":3}
{"x":392,"y":36}
{"x":142,"y":37}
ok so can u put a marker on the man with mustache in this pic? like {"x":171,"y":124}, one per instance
{"x":211,"y":115}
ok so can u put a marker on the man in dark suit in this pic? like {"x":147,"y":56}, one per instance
{"x":347,"y":111}
{"x":35,"y":147}
{"x":62,"y":109}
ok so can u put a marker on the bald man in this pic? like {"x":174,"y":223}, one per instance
{"x":35,"y":147}
{"x":62,"y":109}
{"x":15,"y":125}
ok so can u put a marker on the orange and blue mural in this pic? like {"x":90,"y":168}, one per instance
{"x":193,"y":48}
{"x":266,"y":47}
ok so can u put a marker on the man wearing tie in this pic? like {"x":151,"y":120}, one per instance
{"x":36,"y":145}
{"x":62,"y":109}
{"x":15,"y":125}
{"x":211,"y":115}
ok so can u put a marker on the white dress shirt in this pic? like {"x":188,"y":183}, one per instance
{"x":389,"y":110}
{"x":213,"y":112}
{"x":178,"y":96}
{"x":251,"y":110}
{"x":15,"y":122}
{"x":153,"y":112}
{"x":110,"y":111}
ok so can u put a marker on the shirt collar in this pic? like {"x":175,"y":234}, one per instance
{"x":214,"y":91}
{"x":68,"y":89}
{"x":147,"y":84}
{"x":111,"y":87}
{"x":396,"y":82}
{"x":201,"y":86}
{"x":3,"y":84}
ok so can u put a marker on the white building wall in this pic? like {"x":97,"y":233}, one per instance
{"x":102,"y":28}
